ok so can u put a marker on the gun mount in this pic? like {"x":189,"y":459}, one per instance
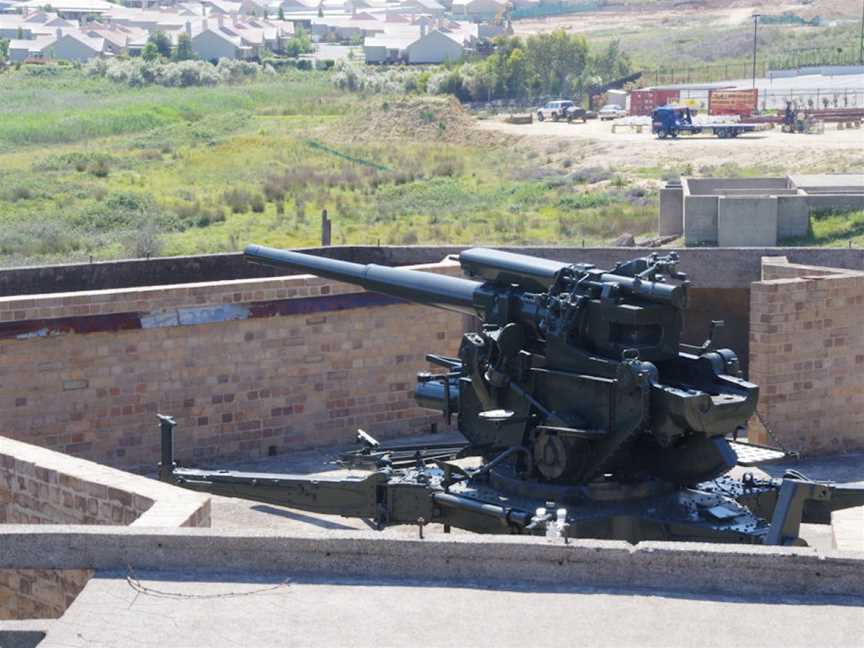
{"x":577,"y":394}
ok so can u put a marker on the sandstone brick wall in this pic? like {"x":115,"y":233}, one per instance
{"x":247,"y":367}
{"x":39,"y":593}
{"x":40,"y":486}
{"x":807,"y":355}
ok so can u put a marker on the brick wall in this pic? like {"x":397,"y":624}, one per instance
{"x":246,"y":367}
{"x":39,"y":593}
{"x":39,"y":486}
{"x":807,"y":355}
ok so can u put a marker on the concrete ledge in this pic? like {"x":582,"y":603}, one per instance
{"x":691,"y":567}
{"x":93,"y":490}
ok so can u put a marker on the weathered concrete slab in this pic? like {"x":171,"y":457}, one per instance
{"x":506,"y":559}
{"x":184,"y":610}
{"x":743,"y":222}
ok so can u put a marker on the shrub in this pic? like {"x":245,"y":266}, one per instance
{"x":181,"y":74}
{"x":584,"y":201}
{"x":143,"y":241}
{"x":257,"y":203}
{"x":238,"y":200}
{"x":100,"y":168}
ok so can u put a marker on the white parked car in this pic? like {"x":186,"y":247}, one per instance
{"x":611,"y":111}
{"x":555,"y":110}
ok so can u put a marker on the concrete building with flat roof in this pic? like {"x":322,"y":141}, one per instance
{"x":746,"y":212}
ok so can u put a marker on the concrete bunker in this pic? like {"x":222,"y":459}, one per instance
{"x":753,"y":212}
{"x":63,"y":347}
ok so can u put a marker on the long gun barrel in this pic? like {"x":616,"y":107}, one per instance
{"x":440,"y":291}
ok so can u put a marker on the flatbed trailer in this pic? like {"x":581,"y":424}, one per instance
{"x":672,"y":121}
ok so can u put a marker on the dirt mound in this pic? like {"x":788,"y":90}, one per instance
{"x":423,"y":119}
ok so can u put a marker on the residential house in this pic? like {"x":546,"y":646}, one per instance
{"x":418,"y":44}
{"x":213,"y":42}
{"x":430,"y":7}
{"x":30,"y":49}
{"x":434,"y":47}
{"x":72,"y":9}
{"x":479,"y":10}
{"x":77,"y":46}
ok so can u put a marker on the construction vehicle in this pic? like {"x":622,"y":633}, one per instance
{"x":672,"y":121}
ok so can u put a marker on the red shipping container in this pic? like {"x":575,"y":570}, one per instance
{"x":733,"y":102}
{"x":643,"y":102}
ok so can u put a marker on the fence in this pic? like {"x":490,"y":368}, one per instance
{"x":559,"y":9}
{"x":821,"y":99}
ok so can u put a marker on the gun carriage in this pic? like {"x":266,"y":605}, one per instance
{"x":589,"y":416}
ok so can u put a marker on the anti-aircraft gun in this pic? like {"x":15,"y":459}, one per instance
{"x":588,"y":414}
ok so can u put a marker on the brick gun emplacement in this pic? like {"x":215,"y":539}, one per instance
{"x":575,"y":389}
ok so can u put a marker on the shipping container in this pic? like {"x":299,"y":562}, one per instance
{"x":733,"y":102}
{"x":643,"y":102}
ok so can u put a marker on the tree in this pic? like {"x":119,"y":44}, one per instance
{"x":162,"y":43}
{"x":281,"y":14}
{"x":150,"y":52}
{"x":4,"y":49}
{"x":557,"y":60}
{"x":611,"y":63}
{"x":299,"y":44}
{"x":184,"y":48}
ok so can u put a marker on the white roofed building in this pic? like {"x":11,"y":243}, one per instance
{"x":77,"y":46}
{"x":420,"y":43}
{"x":30,"y":49}
{"x":479,"y":9}
{"x":71,"y":9}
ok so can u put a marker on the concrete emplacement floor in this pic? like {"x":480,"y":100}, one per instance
{"x":294,"y":606}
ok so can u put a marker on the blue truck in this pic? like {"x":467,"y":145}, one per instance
{"x":671,"y":121}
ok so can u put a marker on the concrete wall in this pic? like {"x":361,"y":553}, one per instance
{"x":671,"y":210}
{"x":790,"y":212}
{"x":807,"y":355}
{"x":247,"y":367}
{"x":707,"y":267}
{"x":508,"y":560}
{"x":748,"y":221}
{"x":38,"y":486}
{"x":712,"y":186}
{"x":835,"y":202}
{"x":794,"y":217}
{"x":700,"y":220}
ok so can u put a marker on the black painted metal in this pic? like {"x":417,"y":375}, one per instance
{"x":577,"y":393}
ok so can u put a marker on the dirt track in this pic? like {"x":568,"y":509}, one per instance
{"x":594,"y":143}
{"x":658,"y":15}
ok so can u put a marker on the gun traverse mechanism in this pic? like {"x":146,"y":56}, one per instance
{"x":590,"y":417}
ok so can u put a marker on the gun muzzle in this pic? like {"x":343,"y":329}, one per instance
{"x":427,"y":288}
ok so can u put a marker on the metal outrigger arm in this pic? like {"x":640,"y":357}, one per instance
{"x":749,"y":511}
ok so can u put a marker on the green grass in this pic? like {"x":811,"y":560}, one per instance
{"x":89,"y":168}
{"x":833,"y":229}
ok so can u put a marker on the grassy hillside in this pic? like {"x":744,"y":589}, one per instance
{"x":89,"y":167}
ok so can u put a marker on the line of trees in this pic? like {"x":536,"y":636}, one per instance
{"x":552,"y":64}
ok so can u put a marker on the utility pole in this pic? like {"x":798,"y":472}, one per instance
{"x":755,"y":25}
{"x":861,"y":51}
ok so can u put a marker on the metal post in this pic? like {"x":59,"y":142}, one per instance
{"x":166,"y":466}
{"x":326,"y":229}
{"x":861,"y":49}
{"x":755,"y":26}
